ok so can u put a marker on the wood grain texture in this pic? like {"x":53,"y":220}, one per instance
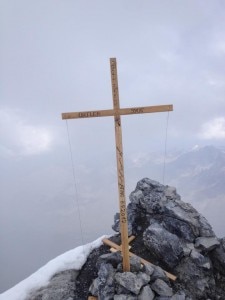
{"x":120,"y":168}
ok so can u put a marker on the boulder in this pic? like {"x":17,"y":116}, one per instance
{"x":163,"y":201}
{"x":146,"y":293}
{"x":112,"y":258}
{"x":200,"y":260}
{"x":162,"y":244}
{"x":158,"y":273}
{"x":161,"y":288}
{"x":179,"y":227}
{"x":132,"y":282}
{"x":106,"y":283}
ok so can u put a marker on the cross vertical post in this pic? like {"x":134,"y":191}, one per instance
{"x":120,"y":167}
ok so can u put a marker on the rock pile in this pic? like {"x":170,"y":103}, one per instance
{"x":143,"y":282}
{"x":178,"y":238}
{"x":170,"y":234}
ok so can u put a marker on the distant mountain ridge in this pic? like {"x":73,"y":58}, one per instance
{"x":199,"y":173}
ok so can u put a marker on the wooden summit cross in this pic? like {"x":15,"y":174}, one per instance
{"x":117,"y":112}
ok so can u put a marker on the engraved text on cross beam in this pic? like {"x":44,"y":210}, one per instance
{"x":120,"y":111}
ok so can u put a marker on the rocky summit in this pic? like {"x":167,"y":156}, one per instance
{"x":171,"y":235}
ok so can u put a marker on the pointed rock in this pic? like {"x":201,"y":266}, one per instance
{"x":206,"y":243}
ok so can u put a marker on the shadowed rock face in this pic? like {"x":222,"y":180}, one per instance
{"x":169,"y":233}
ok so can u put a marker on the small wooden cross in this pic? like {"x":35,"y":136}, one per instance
{"x":117,"y":112}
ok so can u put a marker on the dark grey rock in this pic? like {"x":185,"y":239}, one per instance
{"x":197,"y":280}
{"x":147,"y":186}
{"x":94,"y":287}
{"x":218,"y":257}
{"x":205,"y":229}
{"x":132,"y":282}
{"x":131,"y":217}
{"x":159,"y":273}
{"x":163,"y":245}
{"x":148,"y":269}
{"x":153,"y":203}
{"x":206,"y":243}
{"x":143,"y":278}
{"x":106,"y":284}
{"x":135,"y":264}
{"x":116,"y":224}
{"x":121,"y":290}
{"x":200,"y":260}
{"x":187,"y":248}
{"x":181,"y":228}
{"x":146,"y":293}
{"x":222,"y":242}
{"x":161,"y":288}
{"x":171,"y":193}
{"x":112,"y":258}
{"x":136,"y":196}
{"x":185,"y":212}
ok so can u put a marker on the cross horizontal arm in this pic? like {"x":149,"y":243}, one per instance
{"x":121,"y":111}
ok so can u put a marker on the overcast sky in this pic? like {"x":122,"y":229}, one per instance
{"x":55,"y":58}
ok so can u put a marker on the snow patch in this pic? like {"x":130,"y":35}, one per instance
{"x":73,"y":259}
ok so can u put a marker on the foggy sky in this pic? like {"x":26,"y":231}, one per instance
{"x":55,"y":58}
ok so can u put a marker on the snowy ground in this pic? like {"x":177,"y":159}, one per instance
{"x":73,"y":259}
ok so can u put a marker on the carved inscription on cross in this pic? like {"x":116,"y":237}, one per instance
{"x":117,"y":112}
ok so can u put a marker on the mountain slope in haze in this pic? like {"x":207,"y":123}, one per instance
{"x":199,"y":173}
